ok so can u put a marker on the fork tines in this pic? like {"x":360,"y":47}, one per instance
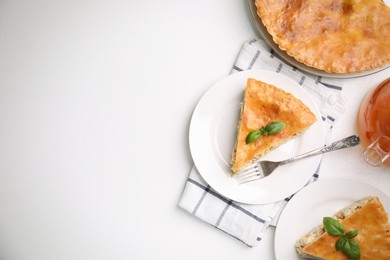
{"x":251,"y":173}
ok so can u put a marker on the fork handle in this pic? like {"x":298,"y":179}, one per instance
{"x":347,"y":142}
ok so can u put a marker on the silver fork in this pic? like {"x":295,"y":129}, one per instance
{"x":261,"y":169}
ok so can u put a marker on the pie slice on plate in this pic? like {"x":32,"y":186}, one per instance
{"x":368,"y":217}
{"x":264,"y":103}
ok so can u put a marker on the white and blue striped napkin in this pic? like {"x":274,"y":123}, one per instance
{"x":244,"y":222}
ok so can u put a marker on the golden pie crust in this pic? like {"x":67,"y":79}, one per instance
{"x":263,"y":104}
{"x":331,"y":35}
{"x":373,"y":237}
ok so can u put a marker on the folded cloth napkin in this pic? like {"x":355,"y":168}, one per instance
{"x":247,"y":223}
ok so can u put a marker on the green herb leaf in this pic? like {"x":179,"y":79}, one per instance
{"x":352,"y":250}
{"x":270,"y":129}
{"x":333,"y":227}
{"x":340,"y":243}
{"x":351,"y":234}
{"x":273,"y":128}
{"x":349,"y":247}
{"x":253,"y":136}
{"x":263,"y":131}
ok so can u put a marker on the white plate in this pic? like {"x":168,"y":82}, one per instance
{"x":307,"y":208}
{"x":213,"y":133}
{"x":287,"y":58}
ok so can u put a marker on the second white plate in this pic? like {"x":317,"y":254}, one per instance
{"x":307,"y":208}
{"x":213,"y":133}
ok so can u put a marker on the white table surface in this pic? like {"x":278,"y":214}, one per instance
{"x":95,"y":104}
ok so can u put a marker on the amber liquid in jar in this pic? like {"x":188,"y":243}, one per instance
{"x":374,"y":115}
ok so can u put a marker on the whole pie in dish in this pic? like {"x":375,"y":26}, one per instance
{"x":263,"y":104}
{"x":368,"y":217}
{"x":336,"y":36}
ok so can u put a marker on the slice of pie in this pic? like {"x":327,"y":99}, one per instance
{"x":368,"y":217}
{"x":340,"y":36}
{"x":264,"y":103}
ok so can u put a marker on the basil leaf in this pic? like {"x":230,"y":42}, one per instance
{"x":263,"y":131}
{"x":273,"y":128}
{"x":351,"y":234}
{"x":352,"y":250}
{"x":340,"y":243}
{"x":333,"y":227}
{"x":253,"y":136}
